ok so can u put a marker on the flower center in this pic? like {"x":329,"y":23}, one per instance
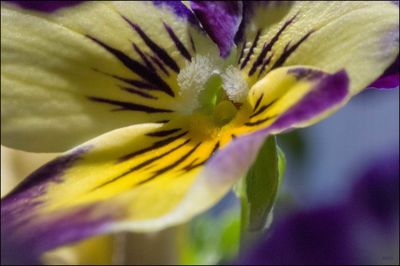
{"x":210,"y":88}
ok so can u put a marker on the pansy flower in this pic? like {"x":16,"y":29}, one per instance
{"x":163,"y":106}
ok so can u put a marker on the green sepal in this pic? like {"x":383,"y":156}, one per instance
{"x":258,"y":189}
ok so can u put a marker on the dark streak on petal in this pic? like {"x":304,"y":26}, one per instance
{"x":144,"y":58}
{"x":163,"y":133}
{"x":137,"y":92}
{"x":191,"y":167}
{"x":159,"y":64}
{"x":290,"y":49}
{"x":258,"y":101}
{"x":258,"y":122}
{"x":132,"y":82}
{"x":141,"y":165}
{"x":160,"y":52}
{"x":192,"y":164}
{"x":266,"y":62}
{"x":268,"y":47}
{"x":145,"y":163}
{"x":263,"y":108}
{"x":127,"y":106}
{"x":136,"y":83}
{"x":192,"y":44}
{"x":163,"y":121}
{"x":188,"y":167}
{"x":216,"y":147}
{"x":171,"y":166}
{"x":155,"y":145}
{"x":254,"y":44}
{"x":242,"y":52}
{"x":136,"y":67}
{"x":179,"y":45}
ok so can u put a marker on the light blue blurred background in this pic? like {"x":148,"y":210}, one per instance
{"x":335,"y":151}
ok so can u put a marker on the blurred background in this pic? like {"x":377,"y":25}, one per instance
{"x":323,"y":164}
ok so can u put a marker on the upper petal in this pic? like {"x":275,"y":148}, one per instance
{"x":360,"y":37}
{"x":82,"y":71}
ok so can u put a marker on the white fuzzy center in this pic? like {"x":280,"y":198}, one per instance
{"x":234,"y":84}
{"x":194,"y":76}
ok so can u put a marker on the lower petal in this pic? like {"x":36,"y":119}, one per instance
{"x":130,"y":178}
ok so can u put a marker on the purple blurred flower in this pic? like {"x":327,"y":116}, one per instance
{"x":361,"y":230}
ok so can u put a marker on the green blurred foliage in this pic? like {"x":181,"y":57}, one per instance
{"x":210,"y":239}
{"x":294,"y":143}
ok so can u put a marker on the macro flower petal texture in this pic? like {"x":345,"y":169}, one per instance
{"x":160,"y":107}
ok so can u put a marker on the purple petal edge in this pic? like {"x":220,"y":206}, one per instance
{"x":21,"y":199}
{"x":389,"y":79}
{"x":178,"y":8}
{"x":331,"y":90}
{"x":45,"y":6}
{"x":22,"y":241}
{"x":221,"y":20}
{"x":27,"y":247}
